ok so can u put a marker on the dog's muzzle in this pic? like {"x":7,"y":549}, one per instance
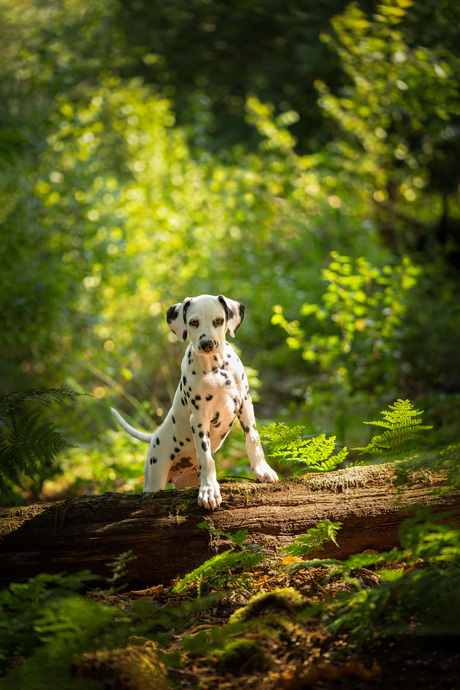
{"x":207,"y":346}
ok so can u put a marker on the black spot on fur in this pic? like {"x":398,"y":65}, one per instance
{"x":188,"y":440}
{"x":173,"y":420}
{"x":174,"y":439}
{"x":172,"y":314}
{"x":186,"y":306}
{"x":215,"y":418}
{"x":172,"y":456}
{"x":177,"y":450}
{"x":227,"y":382}
{"x":204,"y":445}
{"x":209,"y":397}
{"x":184,"y":380}
{"x":201,"y":434}
{"x":157,"y":441}
{"x":197,"y":397}
{"x":200,"y":425}
{"x":193,"y":372}
{"x":184,"y":335}
{"x":152,"y":460}
{"x":228,"y":312}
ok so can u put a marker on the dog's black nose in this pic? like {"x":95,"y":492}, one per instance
{"x":207,"y":345}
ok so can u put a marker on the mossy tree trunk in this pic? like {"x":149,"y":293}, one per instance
{"x":162,"y":529}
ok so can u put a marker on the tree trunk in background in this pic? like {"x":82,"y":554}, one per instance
{"x":162,"y":528}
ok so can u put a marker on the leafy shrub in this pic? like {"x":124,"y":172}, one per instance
{"x":49,"y":624}
{"x":356,"y":332}
{"x":422,"y":597}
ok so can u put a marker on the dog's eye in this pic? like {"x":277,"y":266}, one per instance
{"x":194,"y":323}
{"x":218,"y":322}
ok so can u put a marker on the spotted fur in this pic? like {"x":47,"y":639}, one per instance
{"x":213,"y":391}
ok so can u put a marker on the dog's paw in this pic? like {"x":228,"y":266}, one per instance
{"x":209,"y":496}
{"x":264,"y":473}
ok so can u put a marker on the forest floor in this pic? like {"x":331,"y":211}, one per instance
{"x":279,"y":645}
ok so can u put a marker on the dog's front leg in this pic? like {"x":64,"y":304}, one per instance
{"x":261,"y":469}
{"x":209,"y":491}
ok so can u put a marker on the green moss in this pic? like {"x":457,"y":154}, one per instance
{"x":238,"y":653}
{"x":278,"y":600}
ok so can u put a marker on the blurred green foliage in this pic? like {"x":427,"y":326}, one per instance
{"x":359,"y":323}
{"x":148,"y":153}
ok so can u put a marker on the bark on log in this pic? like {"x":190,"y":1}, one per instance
{"x":161,"y":528}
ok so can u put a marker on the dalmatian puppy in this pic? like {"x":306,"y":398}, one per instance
{"x":213,"y":391}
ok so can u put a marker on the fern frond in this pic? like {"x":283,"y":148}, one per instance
{"x":403,"y":430}
{"x":314,"y":539}
{"x":220,"y":565}
{"x":26,"y":445}
{"x":307,"y":454}
{"x":29,"y":446}
{"x":42,"y":396}
{"x":278,"y":436}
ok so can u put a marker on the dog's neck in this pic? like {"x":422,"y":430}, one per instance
{"x":208,"y":362}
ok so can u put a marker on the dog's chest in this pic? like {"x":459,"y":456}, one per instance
{"x":218,"y":391}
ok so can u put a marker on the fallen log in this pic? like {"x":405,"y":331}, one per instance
{"x":162,"y":530}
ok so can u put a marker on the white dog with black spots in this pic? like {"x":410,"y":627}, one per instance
{"x":212,"y":392}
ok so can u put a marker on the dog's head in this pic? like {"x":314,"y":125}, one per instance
{"x":206,"y":320}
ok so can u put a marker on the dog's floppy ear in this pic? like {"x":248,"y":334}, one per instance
{"x":176,"y":316}
{"x":234,"y":311}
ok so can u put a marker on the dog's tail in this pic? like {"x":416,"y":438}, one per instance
{"x":141,"y":435}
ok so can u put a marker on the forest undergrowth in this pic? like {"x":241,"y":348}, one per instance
{"x":290,"y":621}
